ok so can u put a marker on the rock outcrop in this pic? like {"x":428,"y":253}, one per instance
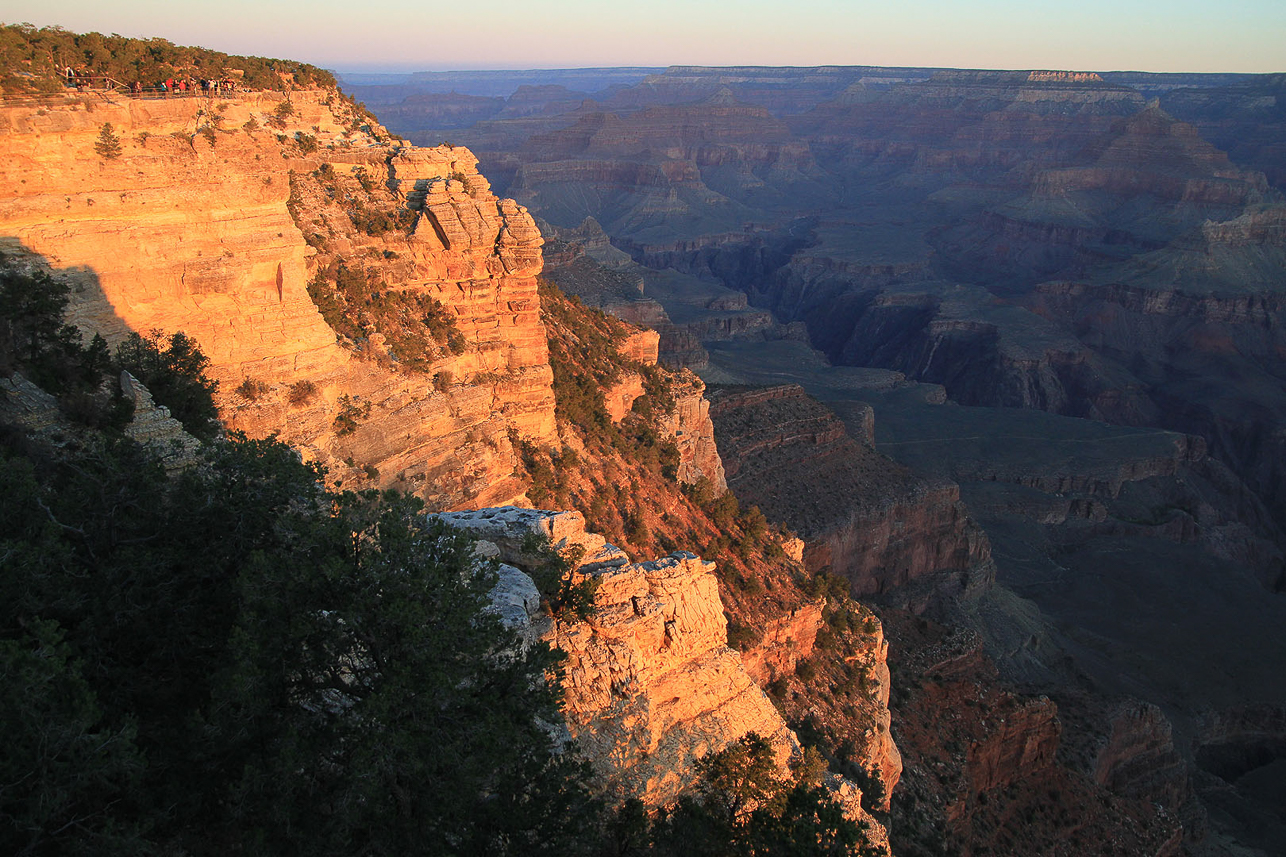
{"x":193,"y":228}
{"x":153,"y":426}
{"x":649,"y":681}
{"x":26,"y":405}
{"x":862,"y":515}
{"x":1139,"y":758}
{"x":985,"y":766}
{"x":693,"y":432}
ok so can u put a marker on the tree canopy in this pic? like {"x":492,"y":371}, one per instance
{"x":234,"y":658}
{"x":33,"y":60}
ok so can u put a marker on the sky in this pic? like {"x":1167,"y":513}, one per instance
{"x":409,"y":35}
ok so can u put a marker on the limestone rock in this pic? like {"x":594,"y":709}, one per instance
{"x":511,"y":530}
{"x":693,"y":432}
{"x":850,"y":798}
{"x":24,"y":404}
{"x":650,"y":684}
{"x":179,"y":234}
{"x":620,"y":397}
{"x":514,"y":598}
{"x":153,"y":426}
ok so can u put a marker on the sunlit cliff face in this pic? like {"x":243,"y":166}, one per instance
{"x":191,"y":229}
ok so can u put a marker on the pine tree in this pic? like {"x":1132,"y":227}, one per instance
{"x":108,"y":145}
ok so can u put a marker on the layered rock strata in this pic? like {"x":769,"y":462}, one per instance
{"x":861,"y":515}
{"x":694,"y":434}
{"x":649,"y":681}
{"x":191,"y":229}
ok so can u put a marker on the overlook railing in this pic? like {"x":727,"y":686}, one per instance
{"x":106,"y":88}
{"x":170,"y":89}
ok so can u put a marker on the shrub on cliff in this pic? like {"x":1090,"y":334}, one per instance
{"x":417,"y":329}
{"x":743,"y":807}
{"x":585,"y":362}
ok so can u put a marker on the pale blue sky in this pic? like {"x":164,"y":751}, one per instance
{"x":1102,"y":35}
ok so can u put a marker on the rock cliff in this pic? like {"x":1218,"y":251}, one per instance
{"x":191,"y":229}
{"x":649,"y":681}
{"x":1036,"y":243}
{"x":985,"y":766}
{"x":862,"y":516}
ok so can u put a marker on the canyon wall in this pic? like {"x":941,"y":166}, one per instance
{"x":650,"y":684}
{"x":190,"y":229}
{"x":862,"y":516}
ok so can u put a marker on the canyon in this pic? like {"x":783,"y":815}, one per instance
{"x":1005,"y":349}
{"x":988,"y":363}
{"x":374,"y":305}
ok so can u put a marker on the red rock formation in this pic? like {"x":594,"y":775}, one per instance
{"x":983,"y":767}
{"x":1139,"y":758}
{"x":693,"y":432}
{"x":784,"y":642}
{"x":1021,"y":745}
{"x":862,"y":516}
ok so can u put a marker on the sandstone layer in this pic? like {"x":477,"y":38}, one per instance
{"x":862,"y":516}
{"x":649,"y":681}
{"x":191,"y":229}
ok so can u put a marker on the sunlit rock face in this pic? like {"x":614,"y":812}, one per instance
{"x":650,"y":685}
{"x":191,"y":229}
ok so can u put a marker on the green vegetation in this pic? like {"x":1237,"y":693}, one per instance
{"x":35,"y":341}
{"x":585,"y":362}
{"x":843,"y":760}
{"x":307,"y":143}
{"x":583,"y":355}
{"x":252,"y":389}
{"x":173,"y":370}
{"x":742,"y":808}
{"x":302,"y":393}
{"x":377,"y":222}
{"x":108,"y":145}
{"x":234,"y":660}
{"x":33,"y":61}
{"x":237,"y":661}
{"x":565,"y":594}
{"x":351,"y":414}
{"x":417,"y":329}
{"x":281,"y":113}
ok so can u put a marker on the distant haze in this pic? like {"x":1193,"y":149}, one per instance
{"x":401,"y":35}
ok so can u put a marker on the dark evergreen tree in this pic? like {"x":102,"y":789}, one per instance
{"x":108,"y":145}
{"x":236,"y":660}
{"x":173,"y":370}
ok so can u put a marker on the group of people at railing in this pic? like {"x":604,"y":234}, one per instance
{"x":171,"y":86}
